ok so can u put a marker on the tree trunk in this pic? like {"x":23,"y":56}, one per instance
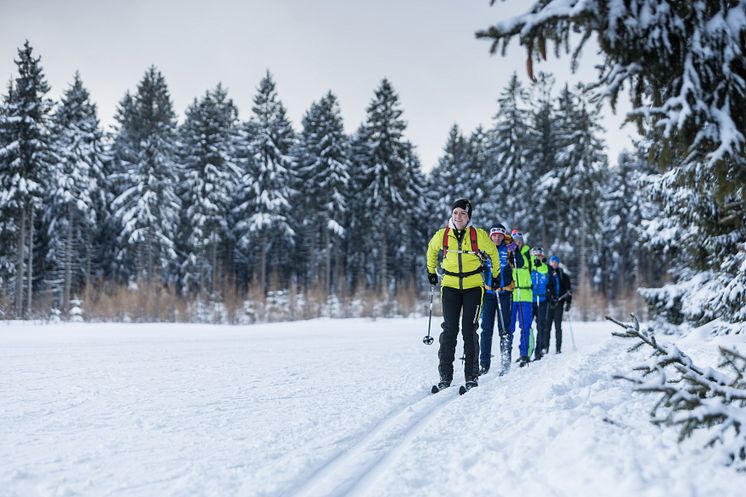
{"x":214,"y":270}
{"x":20,"y":265}
{"x":383,"y":275}
{"x":582,"y":269}
{"x":30,"y":268}
{"x":88,"y":256}
{"x":263,"y":263}
{"x":68,"y":263}
{"x":327,"y":262}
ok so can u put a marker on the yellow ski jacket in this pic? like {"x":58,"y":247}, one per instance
{"x":461,"y":265}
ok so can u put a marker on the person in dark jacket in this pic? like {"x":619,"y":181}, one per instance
{"x":495,"y":289}
{"x":560,"y":298}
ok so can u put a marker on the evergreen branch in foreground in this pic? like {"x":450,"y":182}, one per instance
{"x":692,"y":397}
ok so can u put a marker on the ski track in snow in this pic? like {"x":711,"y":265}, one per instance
{"x":326,"y":408}
{"x":356,"y":470}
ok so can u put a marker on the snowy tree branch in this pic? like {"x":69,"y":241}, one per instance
{"x":693,"y":398}
{"x":683,"y":62}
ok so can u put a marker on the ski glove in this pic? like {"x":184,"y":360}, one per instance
{"x":537,"y":262}
{"x":567,"y":307}
{"x":511,"y":247}
{"x":432,"y":278}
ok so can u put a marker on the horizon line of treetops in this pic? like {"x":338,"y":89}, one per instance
{"x":214,"y":201}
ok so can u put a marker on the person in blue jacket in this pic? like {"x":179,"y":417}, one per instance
{"x":499,"y":288}
{"x":539,"y":281}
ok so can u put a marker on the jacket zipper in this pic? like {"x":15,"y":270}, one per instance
{"x":460,"y":265}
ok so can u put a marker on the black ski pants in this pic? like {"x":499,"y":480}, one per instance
{"x":555,"y":314}
{"x":541,"y":313}
{"x":466,"y":306}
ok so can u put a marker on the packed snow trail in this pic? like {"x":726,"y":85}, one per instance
{"x":326,"y":407}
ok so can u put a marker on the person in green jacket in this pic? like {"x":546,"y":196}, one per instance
{"x":463,"y":249}
{"x":522,"y":313}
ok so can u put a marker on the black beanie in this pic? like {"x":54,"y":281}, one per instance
{"x":464,"y":204}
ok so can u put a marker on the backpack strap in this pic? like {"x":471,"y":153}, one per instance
{"x":445,"y":240}
{"x":473,"y":235}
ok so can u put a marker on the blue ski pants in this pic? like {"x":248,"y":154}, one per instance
{"x":522,"y":316}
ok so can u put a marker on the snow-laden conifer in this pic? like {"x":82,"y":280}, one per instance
{"x":264,"y":229}
{"x":387,"y":157}
{"x":580,"y":171}
{"x":75,"y":194}
{"x":447,"y":181}
{"x":681,"y":61}
{"x":210,"y":173}
{"x":24,"y":163}
{"x":325,"y":172}
{"x":511,"y":182}
{"x":146,"y":175}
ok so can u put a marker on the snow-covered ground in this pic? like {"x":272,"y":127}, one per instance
{"x":327,"y":408}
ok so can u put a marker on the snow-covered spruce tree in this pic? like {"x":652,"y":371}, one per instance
{"x":447,"y":181}
{"x":264,"y":212}
{"x":684,"y":65}
{"x":208,"y":161}
{"x":693,"y":398}
{"x":146,"y":175}
{"x":24,"y":162}
{"x":512,"y":184}
{"x":412,"y":226}
{"x":543,"y":148}
{"x":706,"y":244}
{"x":481,"y":176}
{"x":580,"y":171}
{"x":620,"y":263}
{"x":387,"y":191}
{"x":358,"y":217}
{"x":8,"y":227}
{"x":74,"y":195}
{"x":325,"y":173}
{"x":626,"y":261}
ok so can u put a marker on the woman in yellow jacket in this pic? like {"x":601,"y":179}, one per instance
{"x":463,"y":248}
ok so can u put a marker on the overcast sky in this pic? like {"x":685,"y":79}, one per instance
{"x":426,"y":48}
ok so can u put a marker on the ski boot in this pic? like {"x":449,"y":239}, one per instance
{"x":442,"y":385}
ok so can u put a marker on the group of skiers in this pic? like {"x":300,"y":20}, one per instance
{"x":497,"y":277}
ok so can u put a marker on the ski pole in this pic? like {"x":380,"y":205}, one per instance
{"x":547,"y":323}
{"x":428,"y":340}
{"x":572,"y":335}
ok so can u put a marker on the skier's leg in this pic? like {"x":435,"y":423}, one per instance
{"x":550,"y":322}
{"x":558,"y":325}
{"x":469,"y":327}
{"x":514,"y":315}
{"x":489,"y":307}
{"x":541,"y":325}
{"x":525,"y":315}
{"x":451,"y":301}
{"x":506,"y":338}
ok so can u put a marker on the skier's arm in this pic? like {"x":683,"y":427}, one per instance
{"x":433,"y":248}
{"x":491,"y":250}
{"x":507,"y":278}
{"x":518,"y":259}
{"x":568,"y":292}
